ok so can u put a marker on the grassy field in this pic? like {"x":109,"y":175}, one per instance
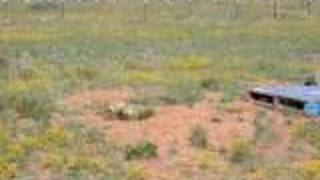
{"x":179,"y":48}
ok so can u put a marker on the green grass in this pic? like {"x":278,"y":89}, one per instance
{"x":143,"y":150}
{"x":56,"y":148}
{"x":111,"y":44}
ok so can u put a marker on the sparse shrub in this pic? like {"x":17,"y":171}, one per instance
{"x":77,"y":163}
{"x":58,"y":148}
{"x":52,"y":161}
{"x":210,"y":83}
{"x":29,"y":99}
{"x":258,"y":174}
{"x":309,"y":131}
{"x":198,"y":137}
{"x":183,"y":91}
{"x":263,"y":129}
{"x":8,"y":170}
{"x":56,"y":135}
{"x":15,"y":152}
{"x":135,"y":172}
{"x":32,"y":93}
{"x":306,"y":130}
{"x":4,"y":137}
{"x":142,"y":150}
{"x":240,"y":151}
{"x":310,"y":170}
{"x":206,"y":159}
{"x":17,"y":67}
{"x":231,"y":92}
{"x":86,"y":72}
{"x":276,"y":169}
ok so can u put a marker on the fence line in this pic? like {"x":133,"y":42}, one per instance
{"x":239,"y":8}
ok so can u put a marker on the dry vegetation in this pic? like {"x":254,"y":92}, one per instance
{"x":134,"y":91}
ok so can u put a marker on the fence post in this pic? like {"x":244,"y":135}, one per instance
{"x":190,"y":2}
{"x":236,"y":9}
{"x":5,"y":9}
{"x":145,"y":10}
{"x":309,"y":7}
{"x":275,"y":8}
{"x":62,"y":9}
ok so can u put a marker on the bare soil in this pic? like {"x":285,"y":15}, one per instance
{"x":170,"y":126}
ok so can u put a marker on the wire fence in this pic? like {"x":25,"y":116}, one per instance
{"x":235,"y":9}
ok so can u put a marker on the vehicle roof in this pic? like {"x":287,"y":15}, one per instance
{"x":308,"y":94}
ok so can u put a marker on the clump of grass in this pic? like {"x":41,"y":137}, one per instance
{"x":241,"y":151}
{"x":52,"y":161}
{"x":21,"y":67}
{"x":210,"y":83}
{"x":183,"y":91}
{"x":206,"y":159}
{"x":29,"y":99}
{"x":32,"y":91}
{"x":136,"y":172}
{"x":310,"y":170}
{"x":143,"y":150}
{"x":190,"y":63}
{"x":58,"y":147}
{"x":86,"y":72}
{"x":137,"y":78}
{"x":275,"y":169}
{"x":231,"y":92}
{"x":263,"y":129}
{"x":198,"y":137}
{"x":309,"y":132}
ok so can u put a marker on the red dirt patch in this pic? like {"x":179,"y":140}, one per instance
{"x":170,"y":127}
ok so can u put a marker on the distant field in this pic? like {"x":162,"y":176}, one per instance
{"x":139,"y":45}
{"x":172,"y":51}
